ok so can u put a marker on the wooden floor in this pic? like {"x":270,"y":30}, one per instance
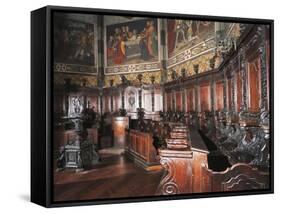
{"x":114,"y":177}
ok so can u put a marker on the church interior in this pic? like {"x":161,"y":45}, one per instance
{"x":147,"y":106}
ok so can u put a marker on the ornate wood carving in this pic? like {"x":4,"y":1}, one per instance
{"x":237,"y":178}
{"x":244,"y":104}
{"x":140,"y":148}
{"x":219,"y":98}
{"x":262,"y":51}
{"x":178,"y":176}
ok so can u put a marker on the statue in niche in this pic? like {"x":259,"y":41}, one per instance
{"x":131,"y":99}
{"x":76,"y":106}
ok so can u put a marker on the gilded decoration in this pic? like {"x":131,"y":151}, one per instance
{"x":203,"y":63}
{"x":90,"y":81}
{"x":146,"y":78}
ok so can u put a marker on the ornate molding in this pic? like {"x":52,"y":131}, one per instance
{"x":193,"y":52}
{"x":262,"y":51}
{"x":132,"y":68}
{"x":73,"y":68}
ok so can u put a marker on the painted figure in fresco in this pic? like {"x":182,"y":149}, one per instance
{"x":179,"y":28}
{"x":189,"y":30}
{"x":134,"y":36}
{"x":84,"y":50}
{"x":132,"y":42}
{"x":154,"y":41}
{"x":110,"y":47}
{"x":74,"y":42}
{"x":143,"y":47}
{"x":199,"y":24}
{"x":81,"y":47}
{"x":149,"y":31}
{"x":120,"y":51}
{"x":90,"y":50}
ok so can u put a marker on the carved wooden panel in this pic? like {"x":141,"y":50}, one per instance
{"x":119,"y":124}
{"x":254,"y":84}
{"x":147,"y":100}
{"x":229,"y":92}
{"x":62,"y":137}
{"x":219,"y":96}
{"x":140,"y":147}
{"x":238,"y":91}
{"x":190,"y":100}
{"x":178,"y":101}
{"x":237,"y":178}
{"x":93,"y":102}
{"x":106,"y":104}
{"x":198,"y":159}
{"x":268,"y":71}
{"x":169,"y":100}
{"x":205,"y":97}
{"x":117,"y":102}
{"x":59,"y":105}
{"x":158,"y":102}
{"x":178,"y":172}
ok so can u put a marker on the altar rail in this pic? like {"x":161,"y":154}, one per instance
{"x":139,"y":147}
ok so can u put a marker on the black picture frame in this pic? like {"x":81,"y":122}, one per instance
{"x":42,"y":104}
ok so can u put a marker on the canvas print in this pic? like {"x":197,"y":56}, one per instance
{"x":152,"y":107}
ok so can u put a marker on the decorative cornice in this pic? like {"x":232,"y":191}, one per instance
{"x":193,"y":52}
{"x":74,"y":68}
{"x":125,"y":69}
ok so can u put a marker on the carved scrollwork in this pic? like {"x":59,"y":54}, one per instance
{"x":167,"y":185}
{"x":262,"y":51}
{"x":247,"y":118}
{"x":242,"y":182}
{"x":170,"y":188}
